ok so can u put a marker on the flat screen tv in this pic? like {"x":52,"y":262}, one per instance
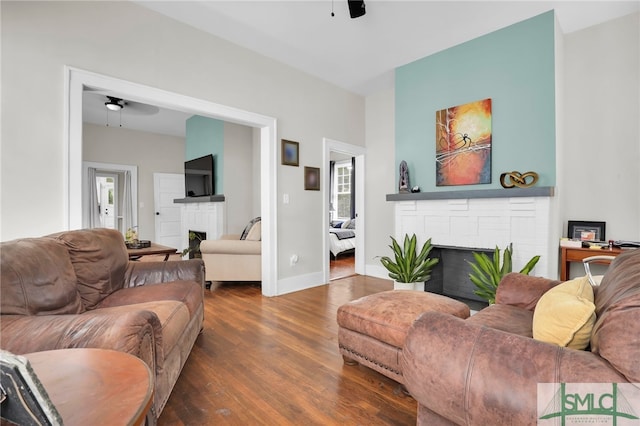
{"x":199,"y":178}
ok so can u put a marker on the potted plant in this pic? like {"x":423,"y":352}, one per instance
{"x":409,"y":267}
{"x":195,"y":248}
{"x":487,"y":273}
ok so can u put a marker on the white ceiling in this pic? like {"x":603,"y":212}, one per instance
{"x":361,"y":54}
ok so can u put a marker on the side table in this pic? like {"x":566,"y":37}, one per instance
{"x":95,"y":386}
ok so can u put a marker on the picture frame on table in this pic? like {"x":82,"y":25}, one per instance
{"x":586,"y":230}
{"x":290,"y":153}
{"x":312,"y":178}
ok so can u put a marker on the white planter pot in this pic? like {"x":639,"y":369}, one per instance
{"x":407,"y":286}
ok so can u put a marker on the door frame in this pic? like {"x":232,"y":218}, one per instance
{"x":74,"y":82}
{"x":330,"y":145}
{"x":110,"y":168}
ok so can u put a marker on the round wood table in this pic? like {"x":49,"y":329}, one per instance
{"x":95,"y":386}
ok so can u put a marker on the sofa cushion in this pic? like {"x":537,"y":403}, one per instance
{"x":511,"y":319}
{"x":255,"y":233}
{"x":250,"y":225}
{"x":615,"y":335}
{"x":99,"y":258}
{"x":187,"y":292}
{"x":37,"y":278}
{"x":565,"y":314}
{"x":173,"y":316}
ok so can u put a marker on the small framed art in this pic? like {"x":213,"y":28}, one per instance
{"x":290,"y":153}
{"x":312,"y":178}
{"x":586,"y":231}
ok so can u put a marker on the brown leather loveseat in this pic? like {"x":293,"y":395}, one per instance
{"x":78,"y":289}
{"x":485,"y":370}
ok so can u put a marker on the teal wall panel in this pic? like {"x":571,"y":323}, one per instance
{"x":515,"y":67}
{"x":205,"y":136}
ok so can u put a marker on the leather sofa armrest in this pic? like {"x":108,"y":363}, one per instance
{"x":454,"y":368}
{"x":231,"y":247}
{"x":136,"y":332}
{"x":149,"y":273}
{"x":522,"y":290}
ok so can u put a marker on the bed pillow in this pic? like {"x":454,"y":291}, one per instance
{"x":565,"y":314}
{"x":345,"y":224}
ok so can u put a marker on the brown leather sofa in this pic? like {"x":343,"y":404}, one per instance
{"x":78,"y":289}
{"x":484,"y":370}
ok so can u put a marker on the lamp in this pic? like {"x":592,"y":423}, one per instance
{"x":113,"y":104}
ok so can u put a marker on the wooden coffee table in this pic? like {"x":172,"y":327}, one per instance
{"x":135,"y":254}
{"x":95,"y":386}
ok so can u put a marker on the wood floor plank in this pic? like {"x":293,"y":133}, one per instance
{"x":275,"y":361}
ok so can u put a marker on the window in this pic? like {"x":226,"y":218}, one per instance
{"x":342,"y":190}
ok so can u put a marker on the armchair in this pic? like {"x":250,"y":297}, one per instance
{"x":234,"y":258}
{"x":485,"y":369}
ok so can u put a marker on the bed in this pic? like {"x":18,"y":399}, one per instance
{"x":342,"y":237}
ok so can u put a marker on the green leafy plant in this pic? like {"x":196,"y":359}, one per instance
{"x":408,"y":266}
{"x":487,"y":273}
{"x":195,"y":248}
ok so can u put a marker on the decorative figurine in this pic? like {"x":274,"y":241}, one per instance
{"x":403,"y":186}
{"x":521,"y":180}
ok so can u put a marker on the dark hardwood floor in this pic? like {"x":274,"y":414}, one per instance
{"x":343,"y":266}
{"x":275,"y":361}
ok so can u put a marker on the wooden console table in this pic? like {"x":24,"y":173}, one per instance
{"x":95,"y":386}
{"x":571,"y":254}
{"x":135,"y":254}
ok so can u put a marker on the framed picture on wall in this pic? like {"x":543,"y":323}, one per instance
{"x":586,"y":231}
{"x":290,"y":153}
{"x":312,"y":178}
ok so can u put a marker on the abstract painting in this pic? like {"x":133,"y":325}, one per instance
{"x":463,"y":144}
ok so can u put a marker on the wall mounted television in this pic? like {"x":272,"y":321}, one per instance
{"x":199,"y":180}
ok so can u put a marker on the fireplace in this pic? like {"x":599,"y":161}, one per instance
{"x":450,"y":276}
{"x":479,"y":222}
{"x":194,"y":243}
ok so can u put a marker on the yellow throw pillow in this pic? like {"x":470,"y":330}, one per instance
{"x":565,"y":314}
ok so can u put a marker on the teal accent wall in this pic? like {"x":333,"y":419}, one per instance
{"x":515,"y":67}
{"x":205,"y":136}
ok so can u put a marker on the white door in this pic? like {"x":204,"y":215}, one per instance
{"x":108,"y":195}
{"x":166,"y":188}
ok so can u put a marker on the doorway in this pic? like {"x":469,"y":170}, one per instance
{"x":75,"y":82}
{"x":107,"y":190}
{"x":357,"y":182}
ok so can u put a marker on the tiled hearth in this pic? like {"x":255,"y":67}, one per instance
{"x":484,"y":223}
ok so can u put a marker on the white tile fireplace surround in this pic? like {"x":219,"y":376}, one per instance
{"x":204,"y":217}
{"x":525,"y":221}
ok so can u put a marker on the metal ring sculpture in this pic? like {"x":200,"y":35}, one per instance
{"x":521,"y":180}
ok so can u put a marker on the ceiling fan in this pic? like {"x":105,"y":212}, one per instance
{"x":118,"y":104}
{"x":99,"y":99}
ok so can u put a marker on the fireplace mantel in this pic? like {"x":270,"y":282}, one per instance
{"x":219,"y":198}
{"x":538,"y":191}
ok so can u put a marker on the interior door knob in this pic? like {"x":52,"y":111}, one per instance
{"x":157,"y":213}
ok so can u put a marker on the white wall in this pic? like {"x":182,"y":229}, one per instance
{"x":40,"y":38}
{"x":380,"y":179}
{"x":239,"y":181}
{"x":135,"y":148}
{"x":598,"y":137}
{"x":601,"y":147}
